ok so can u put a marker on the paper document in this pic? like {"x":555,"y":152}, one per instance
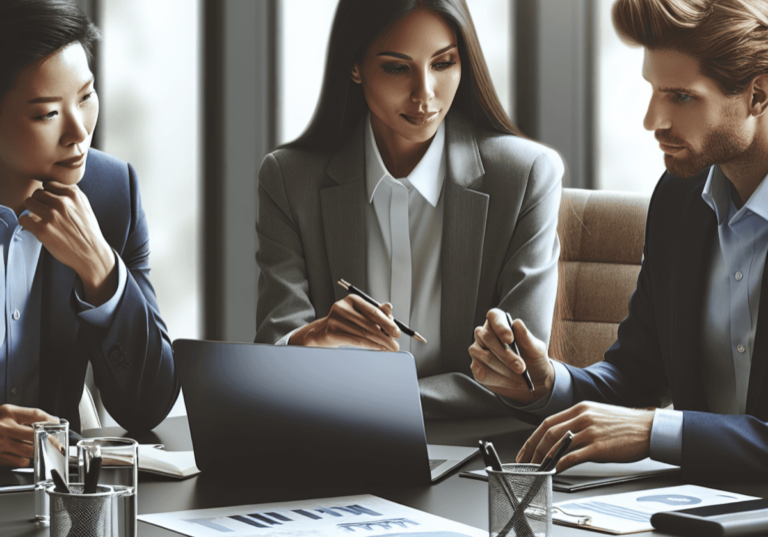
{"x":597,"y":474}
{"x":631,"y":512}
{"x":347,"y":515}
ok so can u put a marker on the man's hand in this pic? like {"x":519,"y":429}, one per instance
{"x":16,"y":435}
{"x":496,"y":367}
{"x":61,"y":218}
{"x":603,"y":433}
{"x":351,"y":321}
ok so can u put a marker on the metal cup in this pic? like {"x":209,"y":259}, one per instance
{"x":520,"y":501}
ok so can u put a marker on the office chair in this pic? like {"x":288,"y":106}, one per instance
{"x":601,"y":239}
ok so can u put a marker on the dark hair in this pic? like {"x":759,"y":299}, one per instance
{"x":356,"y":25}
{"x":31,"y":30}
{"x":728,"y":37}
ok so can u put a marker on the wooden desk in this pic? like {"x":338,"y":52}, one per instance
{"x":460,"y":499}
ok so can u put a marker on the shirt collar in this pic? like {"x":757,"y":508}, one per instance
{"x":427,"y":177}
{"x":717,"y":195}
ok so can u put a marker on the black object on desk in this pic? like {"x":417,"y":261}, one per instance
{"x":401,"y":325}
{"x":730,"y":519}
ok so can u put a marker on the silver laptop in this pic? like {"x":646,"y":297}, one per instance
{"x":348,"y":415}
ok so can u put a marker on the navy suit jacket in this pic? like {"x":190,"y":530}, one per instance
{"x":132,"y":359}
{"x":659,"y":342}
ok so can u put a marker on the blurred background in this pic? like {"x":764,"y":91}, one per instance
{"x":194,"y":93}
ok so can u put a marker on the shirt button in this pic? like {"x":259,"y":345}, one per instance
{"x":741,"y":349}
{"x":739,"y":276}
{"x":16,"y":315}
{"x":14,"y":391}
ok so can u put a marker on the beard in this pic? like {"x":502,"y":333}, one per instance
{"x":720,"y":146}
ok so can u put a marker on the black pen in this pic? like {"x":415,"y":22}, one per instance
{"x":355,"y":291}
{"x":550,"y":463}
{"x":526,"y":375}
{"x":61,"y":486}
{"x":490,"y":457}
{"x":93,"y":472}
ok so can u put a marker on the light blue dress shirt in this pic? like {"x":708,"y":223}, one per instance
{"x":21,"y":293}
{"x":729,"y":317}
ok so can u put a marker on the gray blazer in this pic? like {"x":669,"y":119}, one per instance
{"x":500,"y":246}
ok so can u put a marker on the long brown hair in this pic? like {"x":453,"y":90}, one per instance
{"x":356,"y":25}
{"x":728,"y":37}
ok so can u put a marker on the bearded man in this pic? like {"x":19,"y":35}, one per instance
{"x":695,"y":325}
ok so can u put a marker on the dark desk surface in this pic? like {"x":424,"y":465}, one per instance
{"x":460,"y":499}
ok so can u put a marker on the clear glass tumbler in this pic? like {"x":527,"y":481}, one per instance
{"x":51,"y":452}
{"x":120,"y":470}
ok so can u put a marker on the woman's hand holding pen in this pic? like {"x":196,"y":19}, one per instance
{"x":351,"y":321}
{"x":498,"y":368}
{"x":602,"y":433}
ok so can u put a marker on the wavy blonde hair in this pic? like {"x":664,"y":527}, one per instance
{"x":728,"y":37}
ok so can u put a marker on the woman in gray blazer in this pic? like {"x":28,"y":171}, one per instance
{"x":412,"y":184}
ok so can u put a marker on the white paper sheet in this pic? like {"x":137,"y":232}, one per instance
{"x":631,"y":512}
{"x":347,"y":515}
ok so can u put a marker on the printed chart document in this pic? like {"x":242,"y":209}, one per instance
{"x":346,"y":515}
{"x":631,"y":512}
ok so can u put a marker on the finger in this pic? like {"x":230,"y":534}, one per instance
{"x":387,"y":309}
{"x":353,"y":325}
{"x":375,"y":315}
{"x":499,"y":358}
{"x":60,"y":189}
{"x":345,"y":336}
{"x":38,"y":208}
{"x":28,"y":416}
{"x":529,"y":448}
{"x":528,"y":344}
{"x":8,"y":460}
{"x":492,"y":362}
{"x":20,"y":449}
{"x":497,"y":321}
{"x":32,"y":223}
{"x":576,"y":456}
{"x":48,"y":199}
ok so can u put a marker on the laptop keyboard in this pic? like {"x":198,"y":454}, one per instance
{"x":434,"y":463}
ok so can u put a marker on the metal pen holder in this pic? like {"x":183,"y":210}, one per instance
{"x":83,"y":515}
{"x":520,"y":501}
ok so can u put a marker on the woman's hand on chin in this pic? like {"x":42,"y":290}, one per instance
{"x":61,"y":218}
{"x":351,"y":321}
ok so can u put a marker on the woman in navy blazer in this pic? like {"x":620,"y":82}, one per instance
{"x":75,"y":243}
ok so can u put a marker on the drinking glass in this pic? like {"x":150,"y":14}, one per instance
{"x":51,"y":452}
{"x":119,"y":469}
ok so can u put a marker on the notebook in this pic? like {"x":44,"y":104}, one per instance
{"x":592,"y":474}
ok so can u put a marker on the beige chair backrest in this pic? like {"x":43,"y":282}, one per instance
{"x":601,"y":238}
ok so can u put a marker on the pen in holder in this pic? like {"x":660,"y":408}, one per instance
{"x":520,"y":501}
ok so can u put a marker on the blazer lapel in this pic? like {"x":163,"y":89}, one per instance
{"x":58,"y":327}
{"x":757,"y":402}
{"x":464,"y":219}
{"x":696,"y":239}
{"x":343,"y":208}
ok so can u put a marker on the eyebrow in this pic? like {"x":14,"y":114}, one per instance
{"x":39,"y":100}
{"x":686,"y":91}
{"x":406,"y":57}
